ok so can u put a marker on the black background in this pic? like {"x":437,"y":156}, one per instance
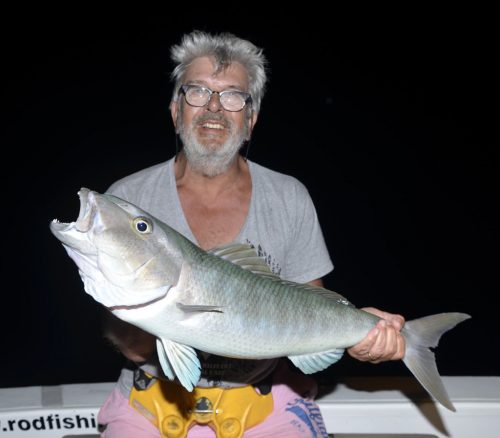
{"x":390,"y":120}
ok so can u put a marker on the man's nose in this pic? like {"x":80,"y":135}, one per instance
{"x":214,"y":104}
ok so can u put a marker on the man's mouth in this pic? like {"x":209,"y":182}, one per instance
{"x":211,"y":125}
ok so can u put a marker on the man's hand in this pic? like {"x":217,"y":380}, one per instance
{"x":384,"y":342}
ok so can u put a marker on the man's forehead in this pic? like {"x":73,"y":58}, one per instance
{"x":203,"y":70}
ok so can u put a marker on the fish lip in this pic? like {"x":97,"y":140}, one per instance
{"x":86,"y":213}
{"x":87,"y":210}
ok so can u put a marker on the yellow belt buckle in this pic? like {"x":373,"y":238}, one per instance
{"x":228,"y":411}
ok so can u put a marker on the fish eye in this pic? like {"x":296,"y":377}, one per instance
{"x":142,"y":225}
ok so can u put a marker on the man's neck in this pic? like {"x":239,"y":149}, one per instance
{"x":194,"y":180}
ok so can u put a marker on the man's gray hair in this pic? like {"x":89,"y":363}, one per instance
{"x":224,"y":48}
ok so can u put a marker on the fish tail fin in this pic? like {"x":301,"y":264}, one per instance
{"x":422,"y":334}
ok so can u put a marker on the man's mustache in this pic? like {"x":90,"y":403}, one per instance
{"x":213,"y":118}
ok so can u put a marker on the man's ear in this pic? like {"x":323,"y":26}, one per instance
{"x":253,"y":120}
{"x":174,"y":110}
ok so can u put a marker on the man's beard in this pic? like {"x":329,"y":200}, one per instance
{"x":211,"y":159}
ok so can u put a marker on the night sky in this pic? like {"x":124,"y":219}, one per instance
{"x":391,"y":123}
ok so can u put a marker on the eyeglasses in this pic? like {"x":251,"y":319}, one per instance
{"x":231,"y":100}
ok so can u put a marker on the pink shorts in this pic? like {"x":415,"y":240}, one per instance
{"x":295,"y":414}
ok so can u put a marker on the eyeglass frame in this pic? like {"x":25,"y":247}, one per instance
{"x":248,"y":99}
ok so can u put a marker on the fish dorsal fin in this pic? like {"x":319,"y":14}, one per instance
{"x":329,"y":294}
{"x":179,"y":361}
{"x":311,"y":363}
{"x":245,"y":256}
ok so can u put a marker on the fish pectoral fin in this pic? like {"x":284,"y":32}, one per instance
{"x":179,"y":361}
{"x":190,"y":308}
{"x":164,"y":362}
{"x":312,"y":363}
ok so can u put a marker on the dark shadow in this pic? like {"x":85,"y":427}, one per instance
{"x":411,"y":388}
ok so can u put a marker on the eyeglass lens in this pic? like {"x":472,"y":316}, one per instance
{"x":200,"y":96}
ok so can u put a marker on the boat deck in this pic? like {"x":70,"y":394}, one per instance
{"x":354,"y":408}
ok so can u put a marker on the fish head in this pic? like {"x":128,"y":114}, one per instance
{"x":124,"y":255}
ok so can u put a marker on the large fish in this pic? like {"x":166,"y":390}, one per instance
{"x":225,"y":301}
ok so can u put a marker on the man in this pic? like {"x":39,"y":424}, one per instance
{"x":214,"y":196}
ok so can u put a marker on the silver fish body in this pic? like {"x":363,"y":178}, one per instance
{"x":266,"y":317}
{"x":224,"y":301}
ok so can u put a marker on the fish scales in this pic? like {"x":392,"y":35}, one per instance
{"x":260,"y":309}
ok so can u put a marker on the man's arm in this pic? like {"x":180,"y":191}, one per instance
{"x":384,"y":342}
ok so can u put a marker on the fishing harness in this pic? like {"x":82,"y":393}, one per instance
{"x":173,"y":410}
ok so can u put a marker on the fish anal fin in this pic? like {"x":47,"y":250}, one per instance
{"x":178,"y":360}
{"x":312,"y":363}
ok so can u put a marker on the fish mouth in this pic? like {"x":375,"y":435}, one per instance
{"x":85,"y":216}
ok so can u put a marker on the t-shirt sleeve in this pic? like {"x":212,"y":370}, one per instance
{"x":117,"y":189}
{"x":307,"y":256}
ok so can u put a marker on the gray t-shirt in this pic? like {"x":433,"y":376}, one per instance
{"x":281,"y":224}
